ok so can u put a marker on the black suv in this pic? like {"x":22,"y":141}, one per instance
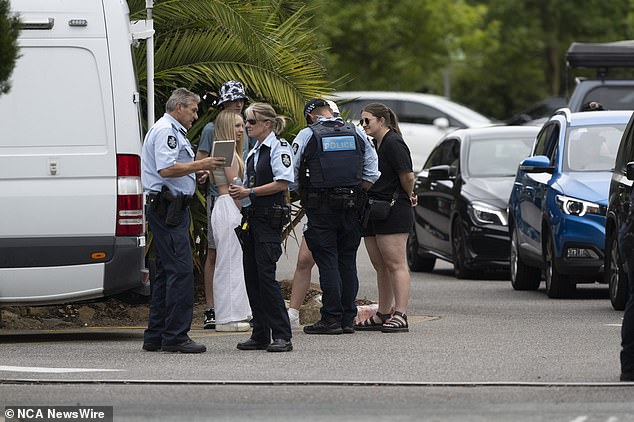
{"x":619,"y":226}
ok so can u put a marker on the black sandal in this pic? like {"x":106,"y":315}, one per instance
{"x":371,"y":325}
{"x":396,"y":324}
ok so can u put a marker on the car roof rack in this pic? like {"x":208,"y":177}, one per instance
{"x":601,"y":56}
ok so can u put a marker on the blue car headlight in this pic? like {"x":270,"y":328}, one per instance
{"x":482,"y":213}
{"x":579,"y":207}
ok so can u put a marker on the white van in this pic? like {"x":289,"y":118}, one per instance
{"x":71,"y":215}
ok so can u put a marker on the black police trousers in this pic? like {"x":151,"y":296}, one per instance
{"x":333,"y":237}
{"x":172,"y":300}
{"x":261,"y":250}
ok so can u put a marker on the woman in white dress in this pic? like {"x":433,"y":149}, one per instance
{"x":230,"y":295}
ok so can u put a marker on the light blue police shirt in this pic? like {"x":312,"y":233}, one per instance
{"x":166,"y":144}
{"x":370,"y":172}
{"x":281,"y":158}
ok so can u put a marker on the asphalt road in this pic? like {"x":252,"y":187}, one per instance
{"x":477,"y":351}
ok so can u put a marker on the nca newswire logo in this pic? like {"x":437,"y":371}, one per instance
{"x":58,"y":413}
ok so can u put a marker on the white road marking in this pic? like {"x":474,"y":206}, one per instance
{"x":612,"y":419}
{"x":580,"y":419}
{"x":613,"y":325}
{"x":53,"y":370}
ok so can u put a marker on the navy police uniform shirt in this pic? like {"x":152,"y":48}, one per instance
{"x":166,"y":144}
{"x":370,"y":159}
{"x":281,"y":159}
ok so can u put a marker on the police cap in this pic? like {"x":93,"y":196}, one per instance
{"x":312,"y":105}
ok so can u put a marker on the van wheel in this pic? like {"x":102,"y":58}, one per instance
{"x":615,"y":276}
{"x":523,"y":277}
{"x":557,"y":285}
{"x":461,"y":269}
{"x":415,"y":261}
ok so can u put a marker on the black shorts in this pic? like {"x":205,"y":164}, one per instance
{"x":400,"y":220}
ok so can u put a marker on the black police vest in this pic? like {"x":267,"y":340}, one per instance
{"x":333,"y":157}
{"x":261,"y":175}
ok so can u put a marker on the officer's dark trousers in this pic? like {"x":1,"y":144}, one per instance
{"x":333,"y":237}
{"x":172,"y":300}
{"x":261,"y":251}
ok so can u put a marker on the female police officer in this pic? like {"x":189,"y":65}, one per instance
{"x":269,"y":169}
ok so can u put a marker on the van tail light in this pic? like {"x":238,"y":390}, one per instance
{"x":130,"y":219}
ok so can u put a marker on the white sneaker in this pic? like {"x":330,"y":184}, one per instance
{"x":293,"y":316}
{"x":233,"y":326}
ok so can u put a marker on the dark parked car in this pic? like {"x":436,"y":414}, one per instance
{"x":557,"y":209}
{"x":618,"y":229}
{"x":463,"y":192}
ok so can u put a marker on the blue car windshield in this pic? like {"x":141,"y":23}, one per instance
{"x":592,"y":148}
{"x":496,"y":157}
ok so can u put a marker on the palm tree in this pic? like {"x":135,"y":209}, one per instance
{"x":200,"y":44}
{"x":268,"y":45}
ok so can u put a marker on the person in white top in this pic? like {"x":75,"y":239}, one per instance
{"x":229,"y":289}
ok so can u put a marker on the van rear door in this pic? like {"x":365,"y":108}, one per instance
{"x":57,"y":153}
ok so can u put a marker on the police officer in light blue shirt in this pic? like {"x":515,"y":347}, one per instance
{"x":335,"y":165}
{"x":269,"y":170}
{"x":169,"y":181}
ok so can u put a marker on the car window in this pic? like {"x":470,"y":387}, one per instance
{"x":352,"y":109}
{"x":553,"y":143}
{"x":445,"y":153}
{"x":496,"y":157}
{"x":411,"y":112}
{"x":592,"y":148}
{"x":612,"y":97}
{"x":625,"y":153}
{"x":541,"y":144}
{"x":406,"y":111}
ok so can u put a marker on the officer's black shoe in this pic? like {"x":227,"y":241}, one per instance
{"x":189,"y":346}
{"x":323,"y":327}
{"x":251,"y":344}
{"x":280,"y":345}
{"x":627,"y":376}
{"x":151,"y":347}
{"x":348,"y":329}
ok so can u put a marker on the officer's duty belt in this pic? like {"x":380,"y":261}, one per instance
{"x":334,"y":198}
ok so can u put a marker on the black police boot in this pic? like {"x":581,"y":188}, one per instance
{"x":280,"y":345}
{"x":251,"y":344}
{"x":189,"y":346}
{"x":323,"y":327}
{"x":151,"y":347}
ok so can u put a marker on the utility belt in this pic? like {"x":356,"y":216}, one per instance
{"x":277,"y":215}
{"x":169,"y":206}
{"x":334,"y":198}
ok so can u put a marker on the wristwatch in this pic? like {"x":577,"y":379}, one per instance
{"x":251,"y":194}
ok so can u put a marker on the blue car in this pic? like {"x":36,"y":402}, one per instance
{"x":557,"y":209}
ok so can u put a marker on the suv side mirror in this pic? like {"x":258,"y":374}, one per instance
{"x":536,"y":164}
{"x":442,"y":172}
{"x":629,"y":170}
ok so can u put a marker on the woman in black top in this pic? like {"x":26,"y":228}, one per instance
{"x":386,"y":240}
